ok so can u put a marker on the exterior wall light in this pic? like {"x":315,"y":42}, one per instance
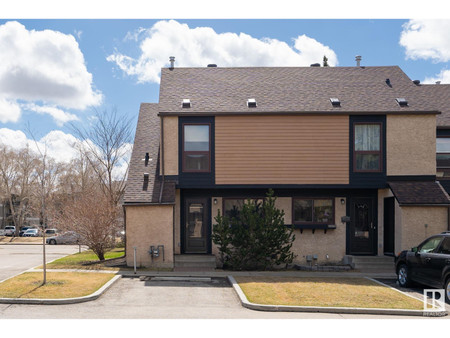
{"x":342,"y":201}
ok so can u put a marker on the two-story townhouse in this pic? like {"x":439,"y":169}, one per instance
{"x":349,"y":151}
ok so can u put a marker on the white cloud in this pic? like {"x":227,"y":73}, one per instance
{"x":443,"y":76}
{"x":58,"y":115}
{"x":426,"y":39}
{"x":46,"y":66}
{"x":200,"y":46}
{"x":61,"y":147}
{"x":9,"y":111}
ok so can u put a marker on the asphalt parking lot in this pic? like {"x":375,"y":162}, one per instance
{"x":134,"y":298}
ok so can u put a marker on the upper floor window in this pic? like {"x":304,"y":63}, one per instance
{"x":367,"y":154}
{"x":443,"y":152}
{"x":196,"y":148}
{"x":313,"y":211}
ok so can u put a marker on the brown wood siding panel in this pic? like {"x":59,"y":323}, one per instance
{"x":282,"y":149}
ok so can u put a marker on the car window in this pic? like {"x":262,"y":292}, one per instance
{"x":445,"y":246}
{"x":430,"y":245}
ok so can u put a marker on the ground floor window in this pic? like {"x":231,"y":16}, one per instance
{"x":313,"y":211}
{"x":233,"y":206}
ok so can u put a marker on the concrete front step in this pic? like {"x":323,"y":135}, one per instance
{"x":381,"y":263}
{"x":195,"y":261}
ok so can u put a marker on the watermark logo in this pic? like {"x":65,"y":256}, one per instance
{"x":433,"y":302}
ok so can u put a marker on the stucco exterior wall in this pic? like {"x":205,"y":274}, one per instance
{"x":418,"y":223}
{"x":382,"y":194}
{"x":332,"y":243}
{"x":146,"y":226}
{"x":411,"y":144}
{"x":171,"y":145}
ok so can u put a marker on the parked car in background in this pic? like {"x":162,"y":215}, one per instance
{"x":428,"y":264}
{"x":23,"y":230}
{"x":69,"y":237}
{"x":33,"y":232}
{"x":10,"y":230}
{"x":51,"y":232}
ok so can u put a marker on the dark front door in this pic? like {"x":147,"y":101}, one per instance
{"x":196,"y":227}
{"x":362,"y":227}
{"x":389,"y":225}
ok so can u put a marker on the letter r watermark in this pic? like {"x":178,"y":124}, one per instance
{"x":437,"y":297}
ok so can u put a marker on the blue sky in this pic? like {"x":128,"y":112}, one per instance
{"x":98,"y":64}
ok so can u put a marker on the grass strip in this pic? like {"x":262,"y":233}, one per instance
{"x":325,"y":292}
{"x":59,"y":285}
{"x":76,"y":261}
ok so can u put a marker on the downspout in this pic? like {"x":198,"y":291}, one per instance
{"x":162,"y":159}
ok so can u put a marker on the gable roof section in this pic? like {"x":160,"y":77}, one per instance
{"x":147,"y":140}
{"x":419,"y":193}
{"x":218,"y":90}
{"x":438,"y":97}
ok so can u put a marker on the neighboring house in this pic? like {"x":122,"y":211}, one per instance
{"x":349,"y":151}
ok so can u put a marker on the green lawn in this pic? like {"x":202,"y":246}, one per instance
{"x":59,"y":285}
{"x":76,"y":261}
{"x":324,"y":291}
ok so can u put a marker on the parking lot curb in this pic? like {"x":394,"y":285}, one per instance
{"x":343,"y":310}
{"x":62,"y":301}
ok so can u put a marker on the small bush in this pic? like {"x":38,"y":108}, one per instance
{"x":255,"y":238}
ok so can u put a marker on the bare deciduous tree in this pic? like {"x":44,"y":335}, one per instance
{"x":17,"y":174}
{"x":89,"y":214}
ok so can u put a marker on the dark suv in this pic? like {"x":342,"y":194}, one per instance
{"x":428,"y":264}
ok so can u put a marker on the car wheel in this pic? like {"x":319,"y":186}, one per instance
{"x":402,"y":276}
{"x":52,"y":242}
{"x":447,"y":290}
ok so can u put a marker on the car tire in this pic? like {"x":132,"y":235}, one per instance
{"x":403,"y":276}
{"x":52,"y":242}
{"x":447,"y":290}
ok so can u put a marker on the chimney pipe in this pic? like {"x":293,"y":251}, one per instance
{"x":172,"y":62}
{"x":358,"y":60}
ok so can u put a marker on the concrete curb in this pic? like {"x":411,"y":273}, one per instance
{"x":83,"y":299}
{"x":284,"y":308}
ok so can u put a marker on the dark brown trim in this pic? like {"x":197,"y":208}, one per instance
{"x":369,"y":152}
{"x":183,"y":165}
{"x":294,"y":222}
{"x":252,"y":112}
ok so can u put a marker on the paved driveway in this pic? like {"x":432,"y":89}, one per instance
{"x":133,"y":298}
{"x":16,"y":258}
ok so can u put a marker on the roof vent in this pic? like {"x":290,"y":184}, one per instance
{"x":315,"y":65}
{"x":388,"y":82}
{"x":172,"y":62}
{"x":186,"y":103}
{"x":251,"y":103}
{"x":358,"y":59}
{"x":212,"y":65}
{"x":438,"y":82}
{"x":335,"y":102}
{"x":401,"y":102}
{"x":416,"y":82}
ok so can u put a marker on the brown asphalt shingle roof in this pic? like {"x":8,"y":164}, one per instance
{"x":419,"y":193}
{"x":288,"y":89}
{"x":147,"y":141}
{"x":438,"y":96}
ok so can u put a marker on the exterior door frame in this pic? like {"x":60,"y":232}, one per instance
{"x":367,"y":247}
{"x":206,"y":201}
{"x":389,"y":226}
